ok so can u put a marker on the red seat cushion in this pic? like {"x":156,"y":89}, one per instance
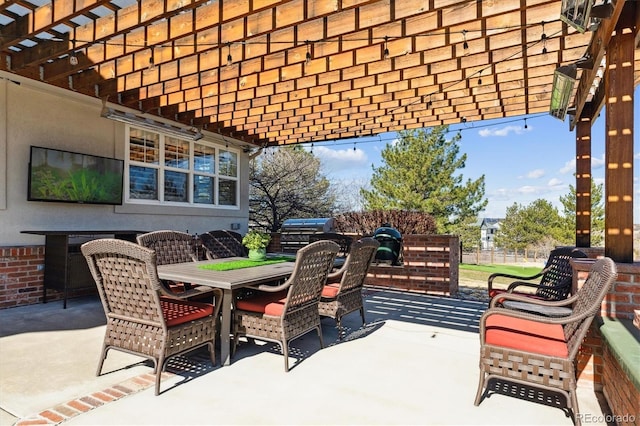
{"x":526,"y":335}
{"x":265,"y":303}
{"x":177,"y":312}
{"x":330,"y":291}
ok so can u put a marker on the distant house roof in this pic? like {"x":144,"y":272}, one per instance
{"x":489,"y":222}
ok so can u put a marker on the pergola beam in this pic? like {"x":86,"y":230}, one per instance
{"x":596,"y":50}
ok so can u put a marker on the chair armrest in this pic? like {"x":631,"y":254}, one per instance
{"x":272,"y":288}
{"x":498,"y":299}
{"x":515,"y":277}
{"x":335,"y":277}
{"x":218,"y":294}
{"x":515,"y":284}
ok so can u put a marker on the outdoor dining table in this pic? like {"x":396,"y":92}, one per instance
{"x":228,"y":281}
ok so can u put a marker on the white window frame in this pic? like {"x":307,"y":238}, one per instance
{"x":190,"y":172}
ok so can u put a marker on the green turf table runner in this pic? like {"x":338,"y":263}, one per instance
{"x":245,"y":263}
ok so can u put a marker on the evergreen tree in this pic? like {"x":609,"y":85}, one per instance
{"x":597,"y":215}
{"x":536,"y":225}
{"x":285,"y":184}
{"x":419,"y":173}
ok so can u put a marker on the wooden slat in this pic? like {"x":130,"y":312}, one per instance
{"x":271,"y":94}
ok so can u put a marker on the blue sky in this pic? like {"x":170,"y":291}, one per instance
{"x":520,"y":165}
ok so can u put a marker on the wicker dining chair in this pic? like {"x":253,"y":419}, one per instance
{"x":537,"y":350}
{"x":174,"y":247}
{"x":139,"y":320}
{"x":222,"y":243}
{"x":555,"y":278}
{"x":286,"y":312}
{"x":342,"y":294}
{"x":344,"y":241}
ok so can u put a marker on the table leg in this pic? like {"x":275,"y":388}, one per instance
{"x":225,"y":328}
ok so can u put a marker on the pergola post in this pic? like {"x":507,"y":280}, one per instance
{"x":619,"y":80}
{"x":583,"y":182}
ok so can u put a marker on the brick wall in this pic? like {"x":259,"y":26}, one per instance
{"x":21,"y":275}
{"x":624,"y":295}
{"x":430,"y":265}
{"x":623,"y":397}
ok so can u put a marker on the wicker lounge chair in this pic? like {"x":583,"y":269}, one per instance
{"x":174,"y":247}
{"x":139,"y":320}
{"x":555,"y":277}
{"x":222,"y":243}
{"x":343,"y":292}
{"x":283,"y":313}
{"x":540,"y":351}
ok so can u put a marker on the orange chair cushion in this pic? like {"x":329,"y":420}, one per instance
{"x":178,"y":312}
{"x":265,"y":303}
{"x":330,"y":291}
{"x":526,"y":335}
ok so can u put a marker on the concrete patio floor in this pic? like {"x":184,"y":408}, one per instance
{"x":414,"y":362}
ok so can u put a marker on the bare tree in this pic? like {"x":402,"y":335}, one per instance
{"x":287,"y":183}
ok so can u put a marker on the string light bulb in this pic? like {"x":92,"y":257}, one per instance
{"x":525,"y":123}
{"x":386,"y":47}
{"x":543,"y":37}
{"x":308,"y":55}
{"x":73,"y":59}
{"x":465,"y":45}
{"x":152,"y":61}
{"x":480,"y":78}
{"x":229,"y":57}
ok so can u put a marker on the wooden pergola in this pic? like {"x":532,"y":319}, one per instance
{"x":269,"y":72}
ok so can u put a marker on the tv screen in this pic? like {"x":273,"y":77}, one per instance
{"x":72,"y":177}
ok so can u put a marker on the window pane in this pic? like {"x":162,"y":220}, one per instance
{"x":143,"y":183}
{"x":176,"y":153}
{"x":175,"y":186}
{"x":227,"y":192}
{"x":143,"y":146}
{"x":203,"y":190}
{"x":228,"y":163}
{"x":204,"y":158}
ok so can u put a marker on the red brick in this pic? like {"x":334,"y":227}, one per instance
{"x":79,"y":406}
{"x":54,"y":417}
{"x":65,"y":410}
{"x":114,"y":392}
{"x":26,"y":422}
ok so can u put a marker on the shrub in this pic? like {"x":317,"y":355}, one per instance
{"x":365,"y":223}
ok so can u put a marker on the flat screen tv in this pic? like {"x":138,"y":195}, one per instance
{"x":71,"y":177}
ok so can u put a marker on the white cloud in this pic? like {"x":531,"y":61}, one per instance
{"x":527,"y":189}
{"x":518,"y":130}
{"x":598,"y":163}
{"x":341,"y":159}
{"x":554,"y":183}
{"x":535,"y":174}
{"x":570,"y":166}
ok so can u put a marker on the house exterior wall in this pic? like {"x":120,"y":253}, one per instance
{"x":33,"y":114}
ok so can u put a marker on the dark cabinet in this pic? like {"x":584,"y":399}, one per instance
{"x":65,"y":268}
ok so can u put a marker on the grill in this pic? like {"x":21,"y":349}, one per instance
{"x":294,"y":233}
{"x":390,"y":241}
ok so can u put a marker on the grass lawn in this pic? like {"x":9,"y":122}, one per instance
{"x":477,"y":275}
